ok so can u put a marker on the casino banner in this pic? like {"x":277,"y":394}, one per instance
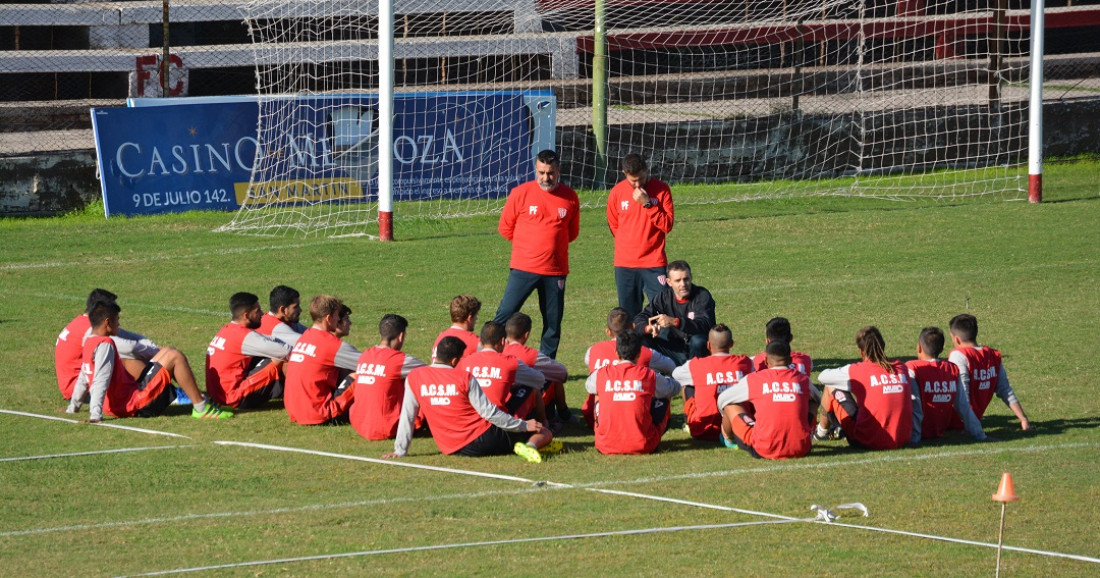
{"x":205,"y":153}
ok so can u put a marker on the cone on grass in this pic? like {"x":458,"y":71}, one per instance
{"x":1007,"y":492}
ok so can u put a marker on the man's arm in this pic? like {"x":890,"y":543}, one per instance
{"x":918,"y":406}
{"x":590,"y":383}
{"x":347,"y":357}
{"x":737,"y":393}
{"x":835,"y":378}
{"x":971,"y":423}
{"x":613,"y":212}
{"x":409,"y":408}
{"x":410,"y":363}
{"x":655,"y":307}
{"x":662,"y":364}
{"x":552,"y":370}
{"x":529,"y":376}
{"x":507,"y":225}
{"x":661,"y":214}
{"x":702,"y":305}
{"x":1007,"y":395}
{"x":960,"y":361}
{"x":575,"y":219}
{"x":132,"y":345}
{"x":260,"y":345}
{"x":287,"y":334}
{"x":491,"y":412}
{"x":666,"y":386}
{"x":104,"y":369}
{"x":681,"y":374}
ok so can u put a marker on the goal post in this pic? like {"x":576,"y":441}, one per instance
{"x":899,"y":99}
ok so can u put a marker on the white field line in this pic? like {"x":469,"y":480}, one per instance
{"x":785,"y":466}
{"x":152,"y":258}
{"x":270,"y":512}
{"x":633,"y":532}
{"x":92,"y":453}
{"x":101,"y":424}
{"x":376,"y":461}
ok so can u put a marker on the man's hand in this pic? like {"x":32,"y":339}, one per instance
{"x":1025,"y":425}
{"x":391,"y":456}
{"x":640,"y":196}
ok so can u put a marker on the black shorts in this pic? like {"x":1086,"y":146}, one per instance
{"x":494,"y":442}
{"x":161,"y":401}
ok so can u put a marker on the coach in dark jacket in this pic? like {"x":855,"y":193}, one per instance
{"x":677,"y":321}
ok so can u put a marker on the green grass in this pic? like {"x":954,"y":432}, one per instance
{"x":830,"y":264}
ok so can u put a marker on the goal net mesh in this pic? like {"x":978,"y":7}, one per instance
{"x":727,"y":101}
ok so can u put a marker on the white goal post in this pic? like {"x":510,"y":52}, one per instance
{"x":727,"y":101}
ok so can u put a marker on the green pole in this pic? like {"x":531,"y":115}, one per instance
{"x":599,"y":95}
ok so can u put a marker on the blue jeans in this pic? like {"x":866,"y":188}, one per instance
{"x":636,"y":284}
{"x":551,"y":290}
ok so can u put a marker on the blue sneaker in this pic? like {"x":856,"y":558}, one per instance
{"x":727,"y":443}
{"x":181,"y":398}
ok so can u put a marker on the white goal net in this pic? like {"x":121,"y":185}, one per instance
{"x":727,"y":100}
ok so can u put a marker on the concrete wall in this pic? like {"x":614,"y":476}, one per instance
{"x":786,"y":145}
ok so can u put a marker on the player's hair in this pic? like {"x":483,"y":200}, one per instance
{"x":492,"y":333}
{"x":628,"y":345}
{"x":391,"y":326}
{"x":240,"y":303}
{"x":517,"y":325}
{"x":98,"y":295}
{"x":449,"y":348}
{"x":100,"y":311}
{"x":965,"y":327}
{"x":932,"y":340}
{"x":678,"y":266}
{"x":634,"y":164}
{"x":720,"y":337}
{"x":282,"y":296}
{"x":324,"y":305}
{"x":463,"y":306}
{"x":778,"y":328}
{"x":873,"y":347}
{"x":548,"y":157}
{"x":779,"y":348}
{"x":618,"y":320}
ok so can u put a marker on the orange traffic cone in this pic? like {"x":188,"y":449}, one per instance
{"x":1006,"y":493}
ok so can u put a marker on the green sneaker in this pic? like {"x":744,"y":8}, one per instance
{"x":528,"y":453}
{"x":554,"y":447}
{"x":212,"y":411}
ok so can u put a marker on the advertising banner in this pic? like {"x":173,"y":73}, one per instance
{"x":164,"y":155}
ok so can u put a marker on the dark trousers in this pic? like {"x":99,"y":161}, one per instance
{"x":551,"y":290}
{"x":677,"y":350}
{"x":637,"y":284}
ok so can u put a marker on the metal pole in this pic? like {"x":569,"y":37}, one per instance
{"x":599,"y":94}
{"x":164,"y":52}
{"x":1035,"y":106}
{"x":385,"y":120}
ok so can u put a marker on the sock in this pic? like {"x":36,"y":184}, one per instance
{"x":822,"y":431}
{"x":201,"y":406}
{"x":532,"y":445}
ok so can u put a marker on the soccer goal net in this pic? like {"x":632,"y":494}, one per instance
{"x":726,"y":100}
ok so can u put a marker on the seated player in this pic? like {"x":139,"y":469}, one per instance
{"x":281,"y":320}
{"x":779,"y":328}
{"x":705,"y":378}
{"x":872,"y":401}
{"x":518,"y":329}
{"x":508,"y":383}
{"x":244,"y":367}
{"x":380,"y":381}
{"x":135,"y":350}
{"x":605,"y":352}
{"x":632,"y":401}
{"x":981,"y":373}
{"x":318,"y":388}
{"x":461,"y":419}
{"x":778,"y":426}
{"x":938,"y":383}
{"x":113,"y":391}
{"x":677,"y":320}
{"x":464,"y":311}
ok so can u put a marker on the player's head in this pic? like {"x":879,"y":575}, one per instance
{"x":104,"y":312}
{"x":778,"y":328}
{"x":449,"y":350}
{"x":518,"y":326}
{"x":548,"y":170}
{"x":285,"y":303}
{"x":323,"y":306}
{"x":618,"y":321}
{"x":392,"y":326}
{"x":635,"y":170}
{"x":720,"y":339}
{"x":964,"y":327}
{"x":464,"y":309}
{"x":628,"y":346}
{"x":873,"y":347}
{"x":678,"y":277}
{"x":931,"y":341}
{"x":245,"y":308}
{"x":98,"y":295}
{"x":343,"y":321}
{"x":778,"y":353}
{"x":492,"y":335}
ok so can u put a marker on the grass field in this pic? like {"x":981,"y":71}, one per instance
{"x":1029,"y":272}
